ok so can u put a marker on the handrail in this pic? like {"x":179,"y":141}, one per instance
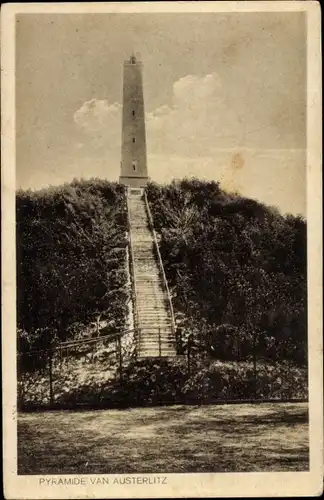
{"x":164,"y":279}
{"x":72,"y":343}
{"x":134,"y":290}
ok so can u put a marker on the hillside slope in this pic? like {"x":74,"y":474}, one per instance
{"x":71,"y":260}
{"x":237,"y":270}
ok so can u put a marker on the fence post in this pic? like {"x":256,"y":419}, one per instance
{"x":119,"y":353}
{"x":254,"y":365}
{"x":51,"y":376}
{"x":160,"y":342}
{"x":189,"y":352}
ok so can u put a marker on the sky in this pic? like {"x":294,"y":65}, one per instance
{"x":225,"y":99}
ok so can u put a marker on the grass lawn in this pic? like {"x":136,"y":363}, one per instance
{"x":227,"y":438}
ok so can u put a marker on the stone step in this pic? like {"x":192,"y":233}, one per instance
{"x":166,"y":337}
{"x":154,"y":328}
{"x":150,"y":294}
{"x":149,"y":277}
{"x":142,"y":267}
{"x":155,"y":348}
{"x":166,"y":356}
{"x":141,"y":247}
{"x":149,"y":285}
{"x":148,"y":342}
{"x":141,"y":233}
{"x":154,"y":278}
{"x":149,"y":297}
{"x":142,"y":257}
{"x":156,"y":354}
{"x":152,"y":300}
{"x":148,"y":260}
{"x":147,"y":323}
{"x":143,"y":264}
{"x":152,"y":333}
{"x":152,"y":308}
{"x":166,"y":341}
{"x":142,"y":237}
{"x":153,"y":314}
{"x":154,"y":270}
{"x":157,"y":312}
{"x":154,"y":287}
{"x":148,"y":348}
{"x":163,"y":316}
{"x":150,"y":288}
{"x":145,"y":243}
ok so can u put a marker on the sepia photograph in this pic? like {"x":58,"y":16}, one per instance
{"x":162,"y":172}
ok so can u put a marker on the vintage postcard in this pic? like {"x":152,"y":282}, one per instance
{"x":161,"y":249}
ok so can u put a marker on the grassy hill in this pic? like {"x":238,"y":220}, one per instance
{"x":237,"y":274}
{"x":236,"y":268}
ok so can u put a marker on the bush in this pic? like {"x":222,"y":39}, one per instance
{"x":71,"y":262}
{"x":233,"y":263}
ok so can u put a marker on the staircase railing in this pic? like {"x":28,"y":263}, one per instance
{"x":133,"y":278}
{"x":164,"y":279}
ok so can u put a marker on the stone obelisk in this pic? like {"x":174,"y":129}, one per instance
{"x":133,"y":157}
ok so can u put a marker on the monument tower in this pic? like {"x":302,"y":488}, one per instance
{"x":133,"y":155}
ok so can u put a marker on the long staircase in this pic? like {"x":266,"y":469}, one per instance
{"x":153,"y":313}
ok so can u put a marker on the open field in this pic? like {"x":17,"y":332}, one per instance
{"x":226,"y":438}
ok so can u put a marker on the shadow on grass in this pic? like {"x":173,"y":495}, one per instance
{"x":175,"y":439}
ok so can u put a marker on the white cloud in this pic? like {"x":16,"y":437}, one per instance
{"x":196,"y":117}
{"x":100,"y":121}
{"x":201,"y":133}
{"x":190,"y":124}
{"x":203,"y":116}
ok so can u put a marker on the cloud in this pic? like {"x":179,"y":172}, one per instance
{"x":203,"y":116}
{"x":196,"y":115}
{"x":189,"y":124}
{"x":100,"y":122}
{"x":202,"y":132}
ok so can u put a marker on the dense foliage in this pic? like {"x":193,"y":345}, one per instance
{"x":236,"y":269}
{"x":166,"y":381}
{"x":237,"y":274}
{"x":71,"y":261}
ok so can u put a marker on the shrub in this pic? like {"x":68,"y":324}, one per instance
{"x":233,"y":261}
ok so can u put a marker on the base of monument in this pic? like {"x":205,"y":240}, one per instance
{"x":136,"y":182}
